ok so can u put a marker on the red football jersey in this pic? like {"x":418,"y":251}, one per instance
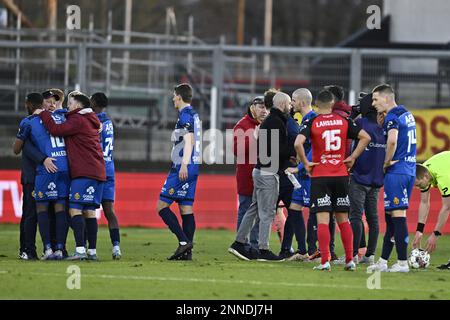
{"x":328,"y":134}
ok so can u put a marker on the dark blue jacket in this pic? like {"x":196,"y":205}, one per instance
{"x":31,"y":157}
{"x":368,"y":168}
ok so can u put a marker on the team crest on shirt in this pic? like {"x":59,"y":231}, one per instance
{"x":171,"y":191}
{"x":33,"y":194}
{"x":396,"y":201}
{"x":77,"y":196}
{"x":40,"y":195}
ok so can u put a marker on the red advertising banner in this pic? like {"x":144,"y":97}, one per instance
{"x":215,"y":202}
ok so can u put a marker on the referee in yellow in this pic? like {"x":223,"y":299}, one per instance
{"x":435,"y":172}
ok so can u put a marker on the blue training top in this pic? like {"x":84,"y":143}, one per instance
{"x":368,"y":168}
{"x":188,"y":122}
{"x":54,"y":147}
{"x":401,"y":119}
{"x":107,"y":143}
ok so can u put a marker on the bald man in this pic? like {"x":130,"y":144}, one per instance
{"x":273,"y":154}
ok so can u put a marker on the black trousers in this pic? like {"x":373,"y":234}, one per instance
{"x":28,"y":223}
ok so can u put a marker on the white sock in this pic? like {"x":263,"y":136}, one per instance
{"x":403,"y":263}
{"x":116,"y":248}
{"x":92,"y":251}
{"x":80,"y":250}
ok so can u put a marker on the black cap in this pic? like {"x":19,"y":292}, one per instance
{"x":48,"y":94}
{"x":258,"y":100}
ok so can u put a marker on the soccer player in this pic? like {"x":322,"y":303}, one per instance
{"x":87,"y":170}
{"x":301,"y":102}
{"x":99,"y":102}
{"x":51,"y":189}
{"x":182,"y":180}
{"x":328,"y":133}
{"x":434,"y":172}
{"x":31,"y":157}
{"x":400,"y":171}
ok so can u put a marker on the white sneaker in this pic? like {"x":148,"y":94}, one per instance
{"x":116,"y":254}
{"x":351,"y":266}
{"x":367,"y":260}
{"x":323,"y":267}
{"x":48,"y":254}
{"x":379,"y":266}
{"x":399,"y":267}
{"x":299,"y":257}
{"x":340,"y":261}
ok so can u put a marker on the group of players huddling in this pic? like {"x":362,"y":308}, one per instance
{"x":67,"y":173}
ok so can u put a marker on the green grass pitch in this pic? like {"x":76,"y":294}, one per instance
{"x":144,"y":273}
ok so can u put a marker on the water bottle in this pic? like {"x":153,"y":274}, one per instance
{"x":294,"y":180}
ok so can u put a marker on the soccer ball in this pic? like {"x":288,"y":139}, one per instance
{"x":419,"y":259}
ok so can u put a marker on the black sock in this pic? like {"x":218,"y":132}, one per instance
{"x":92,"y":230}
{"x":189,"y":226}
{"x":387,"y":243}
{"x":298,"y":225}
{"x":288,"y":234}
{"x":78,"y":226}
{"x":62,"y":228}
{"x":44,"y":228}
{"x":170,"y":219}
{"x":401,"y":237}
{"x":114,"y":235}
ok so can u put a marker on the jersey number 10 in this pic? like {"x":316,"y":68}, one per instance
{"x":332,"y":140}
{"x":57,"y":142}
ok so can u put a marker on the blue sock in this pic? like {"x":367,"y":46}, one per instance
{"x":62,"y":228}
{"x":401,"y":237}
{"x":78,"y":226}
{"x":92,"y":230}
{"x":170,"y":219}
{"x":189,"y":226}
{"x":298,"y":225}
{"x":387,"y":243}
{"x":114,"y":235}
{"x":44,"y":228}
{"x":288,"y":234}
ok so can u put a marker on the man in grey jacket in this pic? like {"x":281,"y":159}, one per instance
{"x":273,"y":153}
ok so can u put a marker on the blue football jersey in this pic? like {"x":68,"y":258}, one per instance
{"x":401,"y":119}
{"x":188,"y":122}
{"x":307,"y":145}
{"x":53,"y":147}
{"x":107,"y":142}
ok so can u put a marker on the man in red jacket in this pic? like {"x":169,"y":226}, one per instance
{"x":87,"y":169}
{"x":244,"y":148}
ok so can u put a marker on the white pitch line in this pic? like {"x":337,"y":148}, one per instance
{"x":226,"y":281}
